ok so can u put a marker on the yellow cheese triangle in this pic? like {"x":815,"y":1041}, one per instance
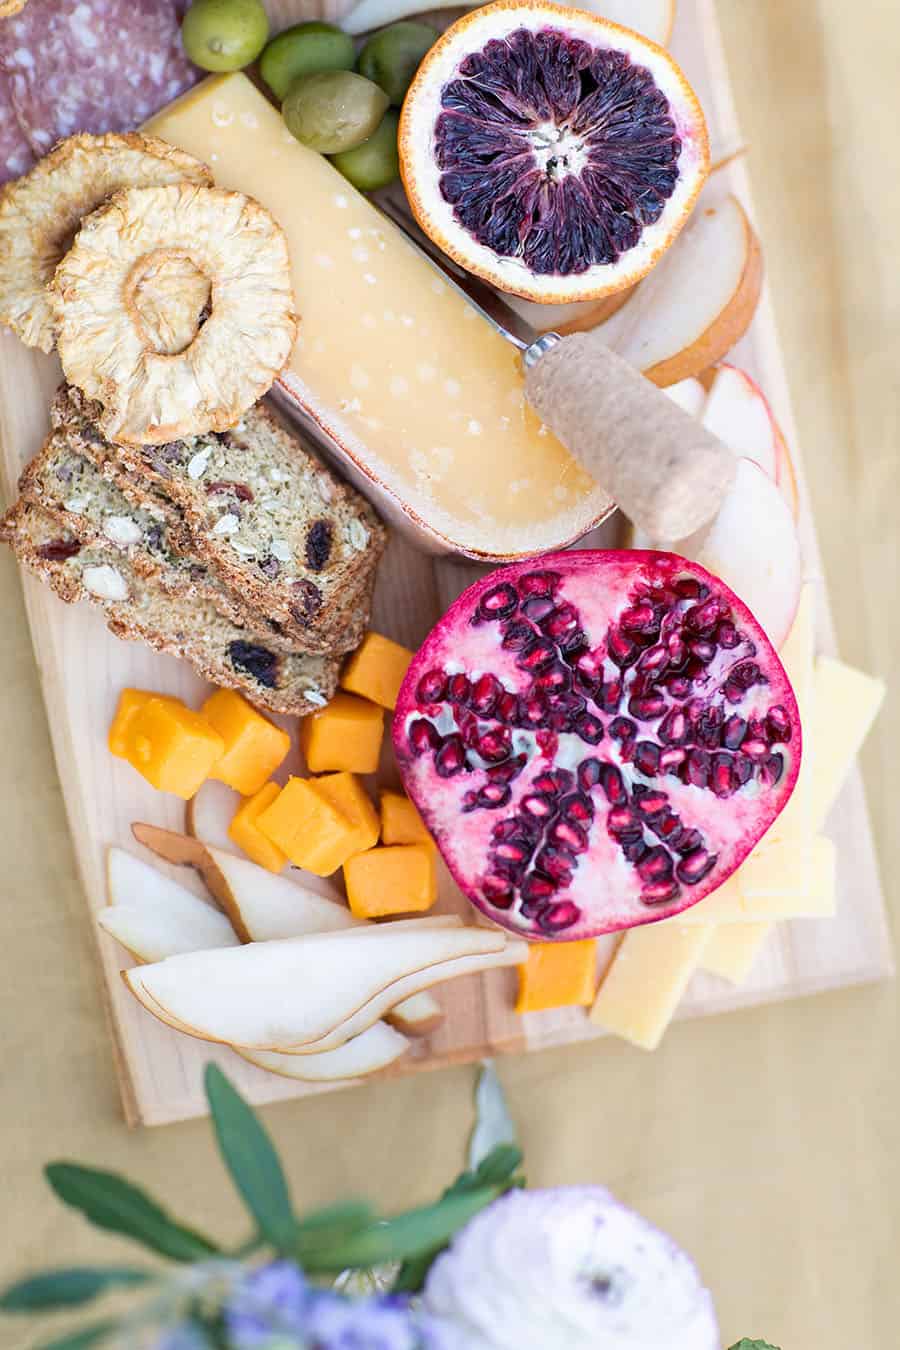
{"x":733,"y":948}
{"x":846,"y":703}
{"x":644,"y":984}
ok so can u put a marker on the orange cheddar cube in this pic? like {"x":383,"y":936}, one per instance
{"x":376,"y":670}
{"x":401,"y":822}
{"x":130,"y":703}
{"x":245,"y":832}
{"x":347,"y":793}
{"x":344,"y":736}
{"x":311,"y":830}
{"x":174,"y":748}
{"x":558,"y":975}
{"x":396,"y":880}
{"x":254,"y":746}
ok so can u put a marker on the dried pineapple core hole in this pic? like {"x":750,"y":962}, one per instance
{"x":168,"y":296}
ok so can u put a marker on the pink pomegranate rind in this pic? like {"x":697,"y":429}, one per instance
{"x":596,"y":740}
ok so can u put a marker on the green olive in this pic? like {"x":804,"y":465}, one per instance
{"x":392,"y":57}
{"x":333,"y":110}
{"x":305,"y":49}
{"x":376,"y":162}
{"x":224,"y":34}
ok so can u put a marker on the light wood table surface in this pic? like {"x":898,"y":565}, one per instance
{"x":767,"y":1142}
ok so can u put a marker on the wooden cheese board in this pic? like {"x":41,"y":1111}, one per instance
{"x":83,"y":668}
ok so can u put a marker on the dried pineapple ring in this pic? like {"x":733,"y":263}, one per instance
{"x":40,"y":212}
{"x":10,"y":7}
{"x":150,"y":396}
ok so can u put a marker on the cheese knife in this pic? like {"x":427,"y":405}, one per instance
{"x":661,"y":466}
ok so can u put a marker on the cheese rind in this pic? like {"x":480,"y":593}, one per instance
{"x":646,"y":980}
{"x":420,"y":392}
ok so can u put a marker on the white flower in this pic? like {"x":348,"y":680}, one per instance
{"x":569,"y":1269}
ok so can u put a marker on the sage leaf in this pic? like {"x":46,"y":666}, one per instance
{"x":746,"y":1344}
{"x":109,"y":1201}
{"x":66,"y":1288}
{"x":250,"y":1157}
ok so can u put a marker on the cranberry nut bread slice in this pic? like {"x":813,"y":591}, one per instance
{"x":299,"y":545}
{"x":139,"y":607}
{"x":69,"y":487}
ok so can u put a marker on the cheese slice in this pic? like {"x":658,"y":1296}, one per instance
{"x":846,"y":703}
{"x":420,"y":392}
{"x":643,"y":986}
{"x":733,"y":948}
{"x":790,"y":881}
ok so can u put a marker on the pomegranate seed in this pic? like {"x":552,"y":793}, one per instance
{"x":499,"y":602}
{"x":610,"y":696}
{"x":515,"y":850}
{"x":516,"y":636}
{"x":532,"y":712}
{"x":569,"y":834}
{"x":695,"y":866}
{"x":622,"y":730}
{"x":468,"y":726}
{"x":666,"y":826}
{"x":470,"y":802}
{"x":590,"y":772}
{"x":485,"y":692}
{"x":696,"y":769}
{"x":612,"y":783}
{"x":646,"y":758}
{"x":538,"y":583}
{"x":653,"y":659}
{"x":506,"y":772}
{"x":727,"y":635}
{"x":747,"y":674}
{"x":755,"y":749}
{"x":655,"y":865}
{"x":538,"y":607}
{"x":590,"y":729}
{"x":536,"y":887}
{"x":649,"y":804}
{"x":660,"y":892}
{"x":708,"y":731}
{"x":704,"y":651}
{"x":577,"y":807}
{"x":507,"y":708}
{"x":573,"y":644}
{"x":537,"y":655}
{"x":679,"y":686}
{"x":459,"y":688}
{"x":498,"y":890}
{"x":432,"y":687}
{"x":555,"y":781}
{"x":674,"y":729}
{"x":639,"y":619}
{"x":557,"y":863}
{"x":423,"y":735}
{"x":721,"y":777}
{"x":494,"y":795}
{"x":771,"y":770}
{"x":561,"y":622}
{"x":590,"y":664}
{"x":743,"y":769}
{"x":539,"y":804}
{"x":533,"y":909}
{"x":676,"y":649}
{"x":779,"y":724}
{"x":688,"y":588}
{"x":559,"y":916}
{"x":622,"y":823}
{"x":634,"y":850}
{"x":733,"y":732}
{"x":688,"y":841}
{"x":506,"y":829}
{"x":568,"y":702}
{"x":621,"y":649}
{"x":494,"y":745}
{"x":556,"y":677}
{"x":671,"y":759}
{"x":703,"y":618}
{"x":450,"y":757}
{"x":647,"y":708}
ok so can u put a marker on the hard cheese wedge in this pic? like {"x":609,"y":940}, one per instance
{"x":421,"y":393}
{"x":646,"y":980}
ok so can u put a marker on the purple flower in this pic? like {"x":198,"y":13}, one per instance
{"x":271,"y":1302}
{"x":378,"y":1323}
{"x":184,"y":1337}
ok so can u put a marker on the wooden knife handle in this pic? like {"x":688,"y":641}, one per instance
{"x":666,"y":472}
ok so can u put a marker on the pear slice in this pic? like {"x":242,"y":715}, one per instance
{"x":698,"y":300}
{"x":294,"y":992}
{"x":373,"y":1049}
{"x":153,"y":917}
{"x":209,"y":813}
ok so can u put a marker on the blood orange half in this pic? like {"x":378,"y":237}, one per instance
{"x":550,"y":151}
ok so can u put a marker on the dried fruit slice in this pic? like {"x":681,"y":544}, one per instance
{"x":40,"y":213}
{"x":551,"y":152}
{"x":10,"y":7}
{"x":596,"y":740}
{"x":150,"y":396}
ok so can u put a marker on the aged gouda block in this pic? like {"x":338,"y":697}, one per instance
{"x":418,"y":389}
{"x":646,"y":980}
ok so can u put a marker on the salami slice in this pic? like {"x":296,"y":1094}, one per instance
{"x":15,"y":153}
{"x":91,"y":65}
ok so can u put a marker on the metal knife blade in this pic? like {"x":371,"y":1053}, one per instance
{"x":501,"y":316}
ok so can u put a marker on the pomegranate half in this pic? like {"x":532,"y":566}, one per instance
{"x":596,"y":740}
{"x":550,"y":151}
